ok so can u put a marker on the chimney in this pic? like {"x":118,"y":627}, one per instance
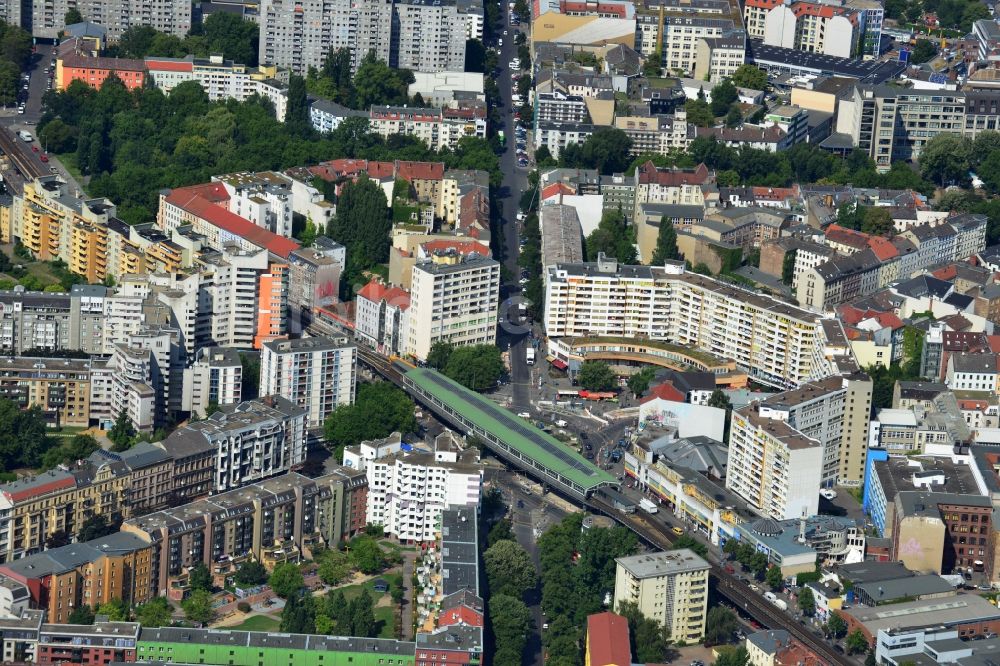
{"x":802,"y":527}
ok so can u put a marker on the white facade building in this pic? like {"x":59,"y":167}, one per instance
{"x":318,"y":374}
{"x":670,"y":587}
{"x":215,"y":377}
{"x":453,"y":298}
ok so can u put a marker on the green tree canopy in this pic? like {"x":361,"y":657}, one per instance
{"x":73,"y":16}
{"x":362,"y":224}
{"x":699,"y":112}
{"x":198,"y":607}
{"x":286,"y":580}
{"x":639,"y":382}
{"x":724,"y":94}
{"x":509,"y":568}
{"x":200,"y":578}
{"x":477,"y":367}
{"x":750,"y":76}
{"x":156,"y":612}
{"x":115,"y":610}
{"x":439,"y":354}
{"x":379,"y":409}
{"x":836,"y":626}
{"x":946,"y":159}
{"x":666,"y":243}
{"x":511,"y":622}
{"x":82,"y":615}
{"x":720,"y":625}
{"x":614,"y":237}
{"x":122,"y":433}
{"x":366,"y":555}
{"x":807,"y":602}
{"x":95,"y":527}
{"x":774,"y":578}
{"x":606,"y":150}
{"x":856,"y":642}
{"x":597,"y":376}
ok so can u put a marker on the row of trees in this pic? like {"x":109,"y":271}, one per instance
{"x":15,"y":54}
{"x":373,"y":83}
{"x":510,"y":574}
{"x":530,"y":259}
{"x":477,"y":367}
{"x":379,"y":410}
{"x":238,"y":40}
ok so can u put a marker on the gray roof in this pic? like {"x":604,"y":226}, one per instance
{"x":771,"y":640}
{"x":910,"y":390}
{"x":947,"y":612}
{"x":974,"y":362}
{"x":698,"y":453}
{"x":664,"y":563}
{"x":918,"y":503}
{"x":276,"y":640}
{"x":459,"y":551}
{"x":144,"y":454}
{"x":883,"y":591}
{"x":65,"y":558}
{"x":317,"y":344}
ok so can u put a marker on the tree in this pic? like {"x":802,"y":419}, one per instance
{"x":606,"y":150}
{"x":82,"y":615}
{"x":250,"y":368}
{"x":597,"y":376}
{"x":297,"y":615}
{"x":122,"y":433}
{"x":639,"y":382}
{"x":509,"y":569}
{"x":650,"y":639}
{"x":439,"y":354}
{"x":10,"y":80}
{"x":689,"y":542}
{"x":156,"y":612}
{"x":297,"y":107}
{"x":511,"y":622}
{"x":666,"y":243}
{"x":198,"y":607}
{"x":115,"y":610}
{"x":750,"y":76}
{"x":699,"y":112}
{"x":730,"y":655}
{"x":807,"y":602}
{"x":878,"y":222}
{"x":200,"y":578}
{"x":232,"y":36}
{"x":95,"y":527}
{"x":856,"y":642}
{"x":57,"y":539}
{"x":375,"y":83}
{"x":366,"y":555}
{"x":652,"y":66}
{"x":836,"y":626}
{"x":733,"y":117}
{"x":56,"y":136}
{"x":501,"y":531}
{"x":334,"y":567}
{"x":788,"y":266}
{"x":720,"y":625}
{"x":774,"y":578}
{"x":72,"y":17}
{"x":78,"y":448}
{"x":477,"y":367}
{"x":614,"y":238}
{"x":379,"y":410}
{"x":946,"y":159}
{"x":286,"y":580}
{"x":363,"y":615}
{"x":362,"y":224}
{"x":923,"y":51}
{"x":724,"y":94}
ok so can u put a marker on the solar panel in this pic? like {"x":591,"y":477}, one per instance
{"x":516,"y":424}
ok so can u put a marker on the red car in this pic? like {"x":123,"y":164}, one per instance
{"x":34,"y":148}
{"x":44,"y":158}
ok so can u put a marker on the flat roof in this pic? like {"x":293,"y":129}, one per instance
{"x":512,"y":430}
{"x":947,"y":612}
{"x":664,"y":563}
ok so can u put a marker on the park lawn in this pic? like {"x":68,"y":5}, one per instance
{"x":257,"y":623}
{"x":385,"y":617}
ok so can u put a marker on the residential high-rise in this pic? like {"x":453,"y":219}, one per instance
{"x":453,"y":298}
{"x":834,"y":411}
{"x":60,"y":387}
{"x":421,"y":35}
{"x":115,"y":16}
{"x":215,"y":378}
{"x":314,"y":280}
{"x":773,"y":466}
{"x":778,"y":344}
{"x":670,"y":587}
{"x":317,"y":374}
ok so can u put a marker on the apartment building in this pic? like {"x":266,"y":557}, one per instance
{"x":718,"y":58}
{"x":682,"y":34}
{"x":152,"y":485}
{"x":59,"y":387}
{"x":557,"y":107}
{"x":317,"y":374}
{"x":314,"y":280}
{"x":60,"y":580}
{"x":248,"y":441}
{"x":439,"y":128}
{"x":76,"y":64}
{"x":670,"y":587}
{"x":943,"y":533}
{"x":893,"y":124}
{"x":34,"y":508}
{"x":843,"y":29}
{"x":776,"y":469}
{"x":453,"y":298}
{"x":408,"y":490}
{"x":381,"y":317}
{"x":835,"y":412}
{"x":214,"y":378}
{"x":777,"y":344}
{"x":839,"y":280}
{"x":421,"y":35}
{"x":146,"y":379}
{"x":273,"y":520}
{"x":44,"y":18}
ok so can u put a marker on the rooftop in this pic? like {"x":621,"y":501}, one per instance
{"x":961,"y":609}
{"x":664,"y":563}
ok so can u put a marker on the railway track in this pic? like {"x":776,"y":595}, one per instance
{"x":658,"y":535}
{"x":22,"y":161}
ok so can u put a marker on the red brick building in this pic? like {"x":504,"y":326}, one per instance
{"x":88,"y":645}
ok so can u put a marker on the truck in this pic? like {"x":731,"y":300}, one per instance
{"x":648,"y":505}
{"x":25,"y":136}
{"x":530,"y":356}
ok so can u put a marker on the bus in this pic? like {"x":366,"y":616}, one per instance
{"x":567,"y":395}
{"x":531,"y":356}
{"x":598,"y":395}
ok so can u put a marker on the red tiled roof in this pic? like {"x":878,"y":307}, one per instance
{"x":608,"y":641}
{"x":556,"y":189}
{"x":375,"y":291}
{"x":664,"y":391}
{"x":204,"y":201}
{"x":460,"y":246}
{"x":648,"y":173}
{"x":154,"y":65}
{"x":882,"y":248}
{"x":994,"y":343}
{"x":412,"y":171}
{"x":845,"y":236}
{"x":41,"y":489}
